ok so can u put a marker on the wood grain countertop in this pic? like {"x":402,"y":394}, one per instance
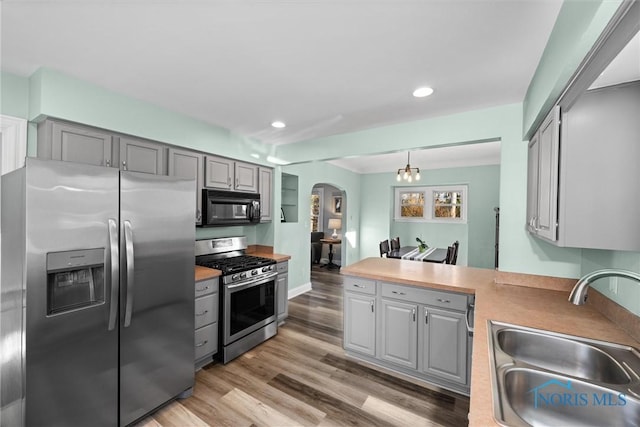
{"x":204,"y":273}
{"x":276,"y":257}
{"x":536,"y":307}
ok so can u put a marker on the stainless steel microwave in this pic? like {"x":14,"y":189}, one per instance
{"x":220,"y":208}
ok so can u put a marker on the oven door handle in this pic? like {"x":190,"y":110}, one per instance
{"x":249,"y":284}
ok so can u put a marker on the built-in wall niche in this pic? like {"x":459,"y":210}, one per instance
{"x":289,"y":203}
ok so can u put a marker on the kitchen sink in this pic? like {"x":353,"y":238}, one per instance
{"x":543,"y":398}
{"x":566,"y":356}
{"x":542,"y":378}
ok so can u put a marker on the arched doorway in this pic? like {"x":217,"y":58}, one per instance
{"x":328,"y":205}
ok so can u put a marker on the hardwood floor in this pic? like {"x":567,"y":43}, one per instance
{"x":302,"y":378}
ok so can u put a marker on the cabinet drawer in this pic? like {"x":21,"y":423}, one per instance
{"x":206,"y":287}
{"x":206,"y":310}
{"x":206,"y":341}
{"x":355,"y":284}
{"x":450,"y":300}
{"x":282,"y":266}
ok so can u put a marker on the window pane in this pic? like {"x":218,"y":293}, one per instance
{"x":444,"y":211}
{"x":447,"y":204}
{"x":412,"y":205}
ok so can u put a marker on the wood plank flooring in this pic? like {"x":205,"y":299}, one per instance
{"x":302,"y":378}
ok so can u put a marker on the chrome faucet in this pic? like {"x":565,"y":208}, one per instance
{"x":579,"y":293}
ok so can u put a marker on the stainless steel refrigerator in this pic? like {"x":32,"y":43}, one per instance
{"x":97,"y":294}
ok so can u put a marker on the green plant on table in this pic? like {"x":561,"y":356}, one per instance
{"x":422,"y":246}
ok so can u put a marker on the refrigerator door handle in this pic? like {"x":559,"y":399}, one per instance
{"x":128,"y":243}
{"x":113,"y":252}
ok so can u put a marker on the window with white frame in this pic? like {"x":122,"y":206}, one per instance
{"x":431,"y":204}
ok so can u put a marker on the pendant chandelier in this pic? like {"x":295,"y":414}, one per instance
{"x":406,"y":172}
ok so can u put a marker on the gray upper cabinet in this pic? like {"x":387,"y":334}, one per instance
{"x":542,"y":207}
{"x":75,"y":143}
{"x":246,"y":177}
{"x":142,"y":156}
{"x":266,"y":193}
{"x":599,"y":173}
{"x":583,"y":172}
{"x":218,"y":173}
{"x":227,"y":174}
{"x":444,"y":344}
{"x":399,"y":333}
{"x":188,"y":164}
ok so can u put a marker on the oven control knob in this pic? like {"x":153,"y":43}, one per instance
{"x":243,"y":275}
{"x":235,"y":277}
{"x":264,"y":269}
{"x":254,"y":272}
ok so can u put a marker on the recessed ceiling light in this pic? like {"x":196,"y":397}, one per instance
{"x":421,"y":92}
{"x":278,"y":124}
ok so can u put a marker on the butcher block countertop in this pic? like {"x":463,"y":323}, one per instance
{"x":541,"y":304}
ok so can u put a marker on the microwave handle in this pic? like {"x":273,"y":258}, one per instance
{"x":254,"y":211}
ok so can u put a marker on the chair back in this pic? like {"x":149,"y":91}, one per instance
{"x":384,"y":248}
{"x":452,"y":253}
{"x":395,"y":244}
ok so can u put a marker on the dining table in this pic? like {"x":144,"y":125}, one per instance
{"x":437,"y":255}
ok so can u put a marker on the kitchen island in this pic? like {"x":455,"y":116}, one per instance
{"x":533,"y":301}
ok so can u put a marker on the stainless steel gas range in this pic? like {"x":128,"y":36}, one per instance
{"x":248,"y":305}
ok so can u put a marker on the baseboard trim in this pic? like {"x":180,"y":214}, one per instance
{"x":299,"y":290}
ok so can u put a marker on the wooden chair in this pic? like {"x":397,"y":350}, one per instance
{"x":395,"y":244}
{"x":384,"y":248}
{"x":452,"y":253}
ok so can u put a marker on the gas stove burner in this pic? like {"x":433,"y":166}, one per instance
{"x":236,"y":264}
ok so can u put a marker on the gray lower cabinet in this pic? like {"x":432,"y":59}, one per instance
{"x":71,"y":142}
{"x":360,"y":316}
{"x":399,"y":333}
{"x":188,"y":164}
{"x":207,"y":300}
{"x":283,"y":290}
{"x":413,"y":330}
{"x":137,"y":155}
{"x":444,"y":344}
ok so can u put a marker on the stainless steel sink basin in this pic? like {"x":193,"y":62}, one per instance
{"x":542,"y":378}
{"x":561,"y":401}
{"x":562,"y":355}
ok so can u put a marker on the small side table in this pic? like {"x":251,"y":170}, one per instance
{"x":331,"y":242}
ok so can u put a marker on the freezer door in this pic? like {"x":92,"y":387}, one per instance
{"x":71,"y":353}
{"x":157,"y":285}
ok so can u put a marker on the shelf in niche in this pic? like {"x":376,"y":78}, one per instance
{"x":289,"y":190}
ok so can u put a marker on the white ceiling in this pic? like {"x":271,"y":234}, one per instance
{"x":323,"y":67}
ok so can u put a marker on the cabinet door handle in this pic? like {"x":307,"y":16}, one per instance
{"x":198,"y":215}
{"x":446,"y":301}
{"x":359,"y":286}
{"x":470,"y":311}
{"x":229,"y":181}
{"x":108,"y":163}
{"x":124,"y":165}
{"x":206,"y":288}
{"x":237,"y":182}
{"x":413,"y":314}
{"x":398,"y":293}
{"x":203,"y":313}
{"x":426,"y":316}
{"x":200,"y":344}
{"x":372,"y":306}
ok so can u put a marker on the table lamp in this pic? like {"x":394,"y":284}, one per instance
{"x":336,"y":224}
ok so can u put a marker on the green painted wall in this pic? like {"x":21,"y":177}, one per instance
{"x":578,"y":26}
{"x":628,"y":294}
{"x":14,"y":95}
{"x":476,"y":237}
{"x":293,"y":238}
{"x":55,"y":94}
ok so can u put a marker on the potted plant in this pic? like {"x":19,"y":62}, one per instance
{"x":422,"y":246}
